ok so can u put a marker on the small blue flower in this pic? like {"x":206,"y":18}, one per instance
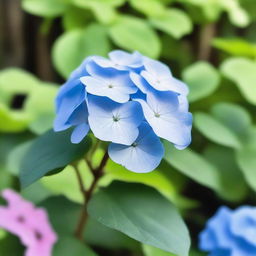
{"x":143,"y":155}
{"x":129,"y":100}
{"x":230,"y":233}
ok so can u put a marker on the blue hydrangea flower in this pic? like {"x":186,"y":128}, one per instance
{"x":230,"y":233}
{"x":130,"y":101}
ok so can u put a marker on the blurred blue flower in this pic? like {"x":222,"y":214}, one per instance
{"x":129,"y":100}
{"x":230,"y":233}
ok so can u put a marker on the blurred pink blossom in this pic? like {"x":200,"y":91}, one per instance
{"x":29,"y":223}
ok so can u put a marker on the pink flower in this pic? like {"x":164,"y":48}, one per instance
{"x":29,"y":223}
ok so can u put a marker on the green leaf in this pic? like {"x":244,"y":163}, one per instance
{"x":67,"y":246}
{"x":40,"y":106}
{"x":246,"y":159}
{"x":72,"y":47}
{"x":173,"y":22}
{"x":212,"y":10}
{"x":193,"y":165}
{"x":50,"y":152}
{"x":153,"y":251}
{"x":96,"y":6}
{"x":151,"y":8}
{"x":216,"y":131}
{"x":114,"y":3}
{"x":242,"y":72}
{"x":128,"y":208}
{"x":133,"y":33}
{"x":154,"y":179}
{"x":233,"y":185}
{"x":95,"y":233}
{"x":202,"y":78}
{"x":236,"y":47}
{"x":45,"y":8}
{"x":75,"y":18}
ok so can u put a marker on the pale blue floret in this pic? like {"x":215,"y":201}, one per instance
{"x":159,"y":76}
{"x":161,"y":110}
{"x":120,"y":60}
{"x":128,"y":100}
{"x":143,"y":155}
{"x":230,"y":233}
{"x":112,"y":121}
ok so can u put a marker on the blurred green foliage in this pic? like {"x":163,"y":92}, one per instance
{"x":209,"y":44}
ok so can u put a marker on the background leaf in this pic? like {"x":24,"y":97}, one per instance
{"x":173,"y":22}
{"x":49,"y":152}
{"x":133,"y":34}
{"x":128,"y":208}
{"x":242,"y":72}
{"x":202,"y":78}
{"x":73,"y":46}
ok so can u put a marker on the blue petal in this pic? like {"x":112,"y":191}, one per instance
{"x":244,"y":224}
{"x":220,"y":225}
{"x":156,"y":68}
{"x":80,"y":71}
{"x":144,"y":155}
{"x":117,"y":88}
{"x":140,"y":82}
{"x":111,"y":121}
{"x":106,"y":63}
{"x":123,"y":58}
{"x":66,"y":105}
{"x":80,"y":115}
{"x":79,"y":133}
{"x":159,"y":76}
{"x":161,"y":110}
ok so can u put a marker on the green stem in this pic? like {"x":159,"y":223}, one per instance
{"x":87,"y":194}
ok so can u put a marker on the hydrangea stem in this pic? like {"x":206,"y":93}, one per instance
{"x":87,"y":194}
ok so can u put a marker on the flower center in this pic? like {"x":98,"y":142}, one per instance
{"x":134,"y":144}
{"x":21,"y":219}
{"x":116,"y":118}
{"x":110,"y":86}
{"x":157,"y":115}
{"x":38,"y":235}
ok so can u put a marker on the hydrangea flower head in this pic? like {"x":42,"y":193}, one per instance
{"x":129,"y":100}
{"x":230,"y":233}
{"x":30,"y":224}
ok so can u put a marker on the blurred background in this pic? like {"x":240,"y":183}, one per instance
{"x":209,"y":44}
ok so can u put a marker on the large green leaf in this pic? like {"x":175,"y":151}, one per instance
{"x":173,"y":22}
{"x":194,"y":166}
{"x":237,"y":46}
{"x":242,"y":72}
{"x":153,"y":251}
{"x":50,"y":152}
{"x":202,"y":78}
{"x":212,"y":10}
{"x":96,"y":6}
{"x":247,"y":160}
{"x":133,"y":33}
{"x":73,"y":46}
{"x":143,"y":214}
{"x":95,"y":233}
{"x":154,"y":179}
{"x":151,"y":8}
{"x":228,"y":125}
{"x":45,"y":8}
{"x":233,"y":185}
{"x":67,"y":246}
